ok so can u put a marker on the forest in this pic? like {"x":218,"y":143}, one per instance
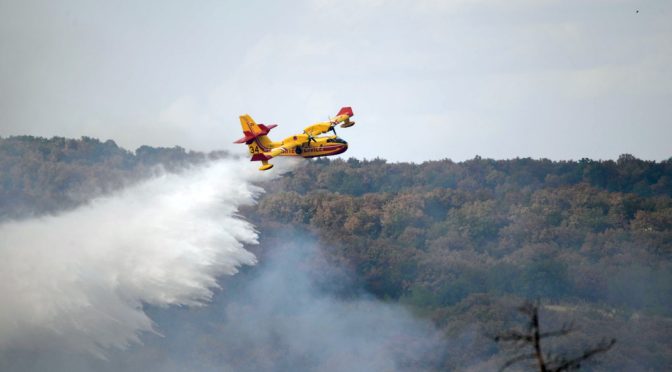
{"x":40,"y":175}
{"x":462,"y":244}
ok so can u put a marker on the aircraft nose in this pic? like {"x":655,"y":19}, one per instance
{"x":341,"y":148}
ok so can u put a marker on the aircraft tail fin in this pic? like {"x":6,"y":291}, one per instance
{"x":256,"y":139}
{"x":255,"y":134}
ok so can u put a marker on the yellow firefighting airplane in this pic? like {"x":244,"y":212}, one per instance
{"x":307,"y":145}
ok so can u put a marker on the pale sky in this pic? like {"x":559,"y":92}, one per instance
{"x":427,"y":79}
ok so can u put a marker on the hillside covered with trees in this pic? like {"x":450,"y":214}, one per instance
{"x":460,"y":243}
{"x":40,"y":175}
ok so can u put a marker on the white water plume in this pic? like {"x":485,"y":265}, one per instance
{"x":78,"y":280}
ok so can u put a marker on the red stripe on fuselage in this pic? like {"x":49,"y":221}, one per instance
{"x":307,"y":152}
{"x":338,"y":150}
{"x":262,"y":147}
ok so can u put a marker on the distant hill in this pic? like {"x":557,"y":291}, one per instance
{"x":40,"y":175}
{"x":460,"y":243}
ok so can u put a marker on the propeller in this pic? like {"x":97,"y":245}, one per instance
{"x":310,"y":137}
{"x":333,"y":125}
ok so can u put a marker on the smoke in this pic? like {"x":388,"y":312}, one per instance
{"x":100,"y":281}
{"x":299,"y":314}
{"x":291,"y":312}
{"x":78,"y":281}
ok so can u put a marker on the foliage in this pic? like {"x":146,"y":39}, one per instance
{"x":39,"y":175}
{"x":454,"y":242}
{"x":587,"y":234}
{"x":501,"y":227}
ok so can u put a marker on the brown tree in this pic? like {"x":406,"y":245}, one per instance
{"x":532,"y":338}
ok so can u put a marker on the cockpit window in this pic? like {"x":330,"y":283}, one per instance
{"x":336,"y":140}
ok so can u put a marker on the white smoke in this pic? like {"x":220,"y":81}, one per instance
{"x":79,"y":280}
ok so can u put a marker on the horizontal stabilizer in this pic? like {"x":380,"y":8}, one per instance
{"x":249,"y":136}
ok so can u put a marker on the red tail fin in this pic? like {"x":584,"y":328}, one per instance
{"x":346,"y":111}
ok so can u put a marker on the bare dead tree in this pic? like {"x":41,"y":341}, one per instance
{"x":532,"y":337}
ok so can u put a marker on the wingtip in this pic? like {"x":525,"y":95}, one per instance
{"x":346,"y":111}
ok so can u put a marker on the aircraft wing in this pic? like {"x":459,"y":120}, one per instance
{"x":343,"y":118}
{"x":317,"y":129}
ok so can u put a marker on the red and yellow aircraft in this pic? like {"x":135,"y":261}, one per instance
{"x":307,"y":145}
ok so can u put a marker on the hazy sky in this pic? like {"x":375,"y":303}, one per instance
{"x":427,"y":79}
